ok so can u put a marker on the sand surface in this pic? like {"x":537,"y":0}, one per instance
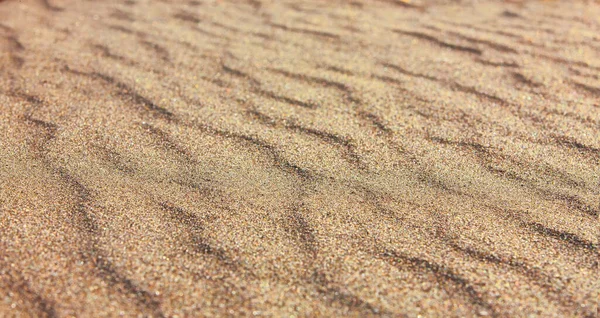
{"x":299,"y":158}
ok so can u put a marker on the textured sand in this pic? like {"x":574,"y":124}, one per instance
{"x":299,"y":158}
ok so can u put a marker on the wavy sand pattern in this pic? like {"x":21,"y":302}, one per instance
{"x":312,"y":158}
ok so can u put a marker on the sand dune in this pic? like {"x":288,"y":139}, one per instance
{"x":299,"y":158}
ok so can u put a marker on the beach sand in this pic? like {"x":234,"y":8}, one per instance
{"x":299,"y":158}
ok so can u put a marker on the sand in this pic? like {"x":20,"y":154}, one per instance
{"x":299,"y":158}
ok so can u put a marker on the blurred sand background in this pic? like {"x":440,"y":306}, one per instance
{"x":299,"y":158}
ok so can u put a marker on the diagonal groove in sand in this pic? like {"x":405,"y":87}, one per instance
{"x":20,"y":286}
{"x":445,"y":276}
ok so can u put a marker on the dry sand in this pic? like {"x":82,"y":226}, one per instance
{"x":299,"y":158}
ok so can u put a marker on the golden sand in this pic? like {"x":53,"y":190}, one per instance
{"x":299,"y":158}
